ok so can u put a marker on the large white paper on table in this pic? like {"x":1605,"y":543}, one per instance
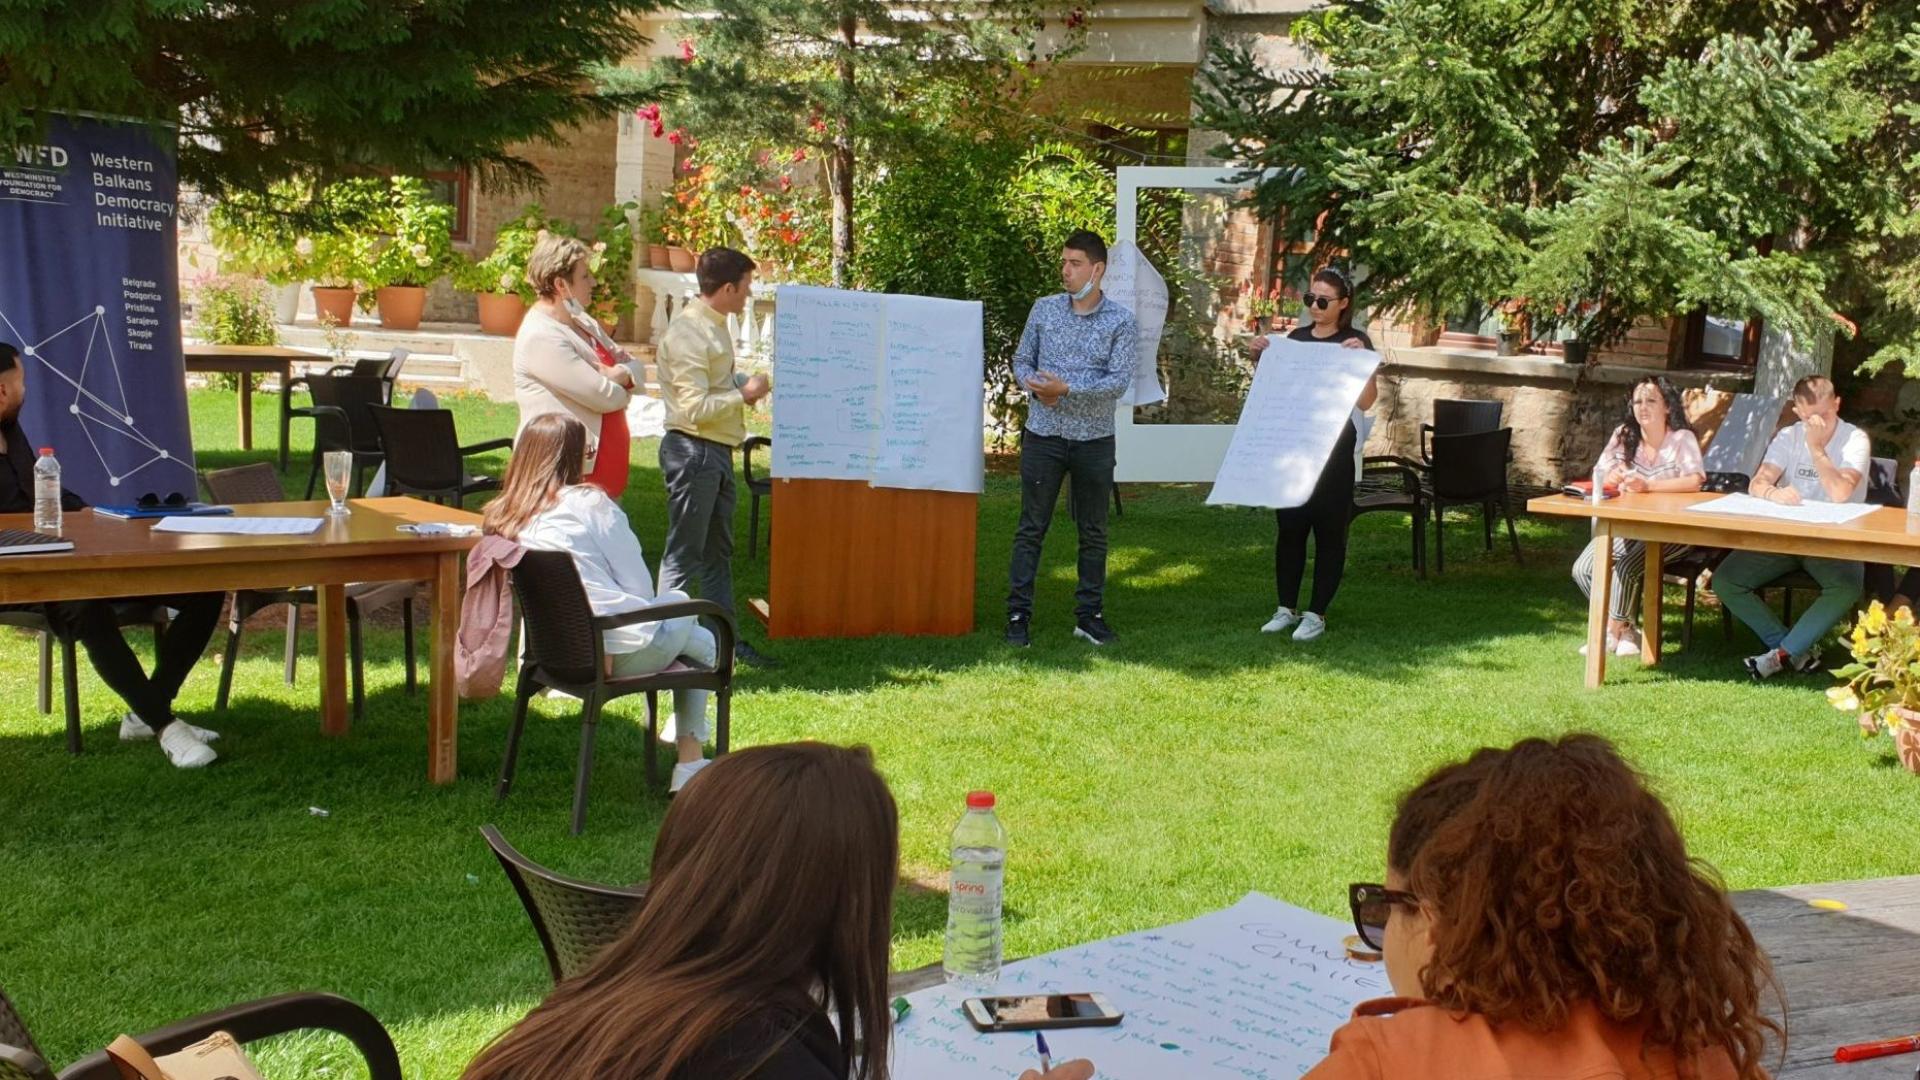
{"x":1303,"y":394}
{"x":885,"y":389}
{"x":1740,"y":442}
{"x":1808,"y":513}
{"x":240,"y":526}
{"x":1253,"y":991}
{"x":1133,"y":283}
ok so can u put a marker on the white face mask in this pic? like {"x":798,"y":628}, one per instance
{"x":1087,"y":289}
{"x":574,"y":308}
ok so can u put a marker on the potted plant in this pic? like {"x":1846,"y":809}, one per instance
{"x":417,"y":248}
{"x":1513,"y":326}
{"x":1263,"y":309}
{"x":652,"y":227}
{"x":499,"y":281}
{"x":612,"y":266}
{"x":338,"y":253}
{"x":1882,"y":684}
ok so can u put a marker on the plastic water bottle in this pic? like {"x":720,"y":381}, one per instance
{"x":1913,"y":490}
{"x":46,"y":493}
{"x":1599,"y":484}
{"x":973,"y":897}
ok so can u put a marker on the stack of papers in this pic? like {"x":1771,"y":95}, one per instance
{"x":240,"y":526}
{"x":1809,"y":513}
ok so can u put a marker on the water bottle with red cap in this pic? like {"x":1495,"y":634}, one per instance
{"x":973,"y":896}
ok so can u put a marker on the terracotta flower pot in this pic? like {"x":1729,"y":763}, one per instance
{"x":657,"y":257}
{"x":1906,"y":739}
{"x":336,"y":305}
{"x":680,"y":260}
{"x":401,"y":305}
{"x":500,"y":313}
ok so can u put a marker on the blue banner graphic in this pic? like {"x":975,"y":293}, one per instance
{"x":90,"y":293}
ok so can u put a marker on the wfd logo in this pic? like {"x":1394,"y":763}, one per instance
{"x":41,"y":157}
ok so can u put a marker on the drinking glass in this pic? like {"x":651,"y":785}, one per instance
{"x":339,"y":468}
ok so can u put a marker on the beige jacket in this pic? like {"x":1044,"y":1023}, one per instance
{"x":555,"y":371}
{"x":697,"y":377}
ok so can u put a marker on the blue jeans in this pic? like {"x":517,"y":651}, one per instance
{"x":1745,"y":571}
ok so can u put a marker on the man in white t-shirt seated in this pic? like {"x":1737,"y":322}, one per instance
{"x":1820,"y":459}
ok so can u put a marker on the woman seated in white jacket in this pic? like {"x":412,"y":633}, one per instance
{"x":543,"y":505}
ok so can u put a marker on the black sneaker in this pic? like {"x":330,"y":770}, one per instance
{"x":1019,"y":631}
{"x":1093,"y":629}
{"x":744,"y":653}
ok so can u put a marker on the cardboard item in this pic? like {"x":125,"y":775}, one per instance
{"x":216,"y":1057}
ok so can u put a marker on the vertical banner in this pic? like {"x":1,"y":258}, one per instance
{"x":90,"y":293}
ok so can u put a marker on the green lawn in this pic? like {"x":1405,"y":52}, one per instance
{"x":1161,"y":778}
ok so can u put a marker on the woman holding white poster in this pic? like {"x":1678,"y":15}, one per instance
{"x":1329,"y":511}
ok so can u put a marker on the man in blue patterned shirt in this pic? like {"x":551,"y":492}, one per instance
{"x":1076,"y":359}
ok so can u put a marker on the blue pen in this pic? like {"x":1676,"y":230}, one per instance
{"x":1046,"y":1060}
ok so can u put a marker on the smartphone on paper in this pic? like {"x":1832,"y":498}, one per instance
{"x":1041,"y":1011}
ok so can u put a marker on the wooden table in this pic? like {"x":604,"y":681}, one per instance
{"x":1662,"y":519}
{"x":247,"y":361}
{"x":126,"y":558}
{"x":1848,"y":976}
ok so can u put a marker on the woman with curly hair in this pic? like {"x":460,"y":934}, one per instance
{"x":1541,"y":918}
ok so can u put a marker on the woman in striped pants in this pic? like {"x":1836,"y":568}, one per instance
{"x":1655,"y":449}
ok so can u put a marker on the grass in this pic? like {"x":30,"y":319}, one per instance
{"x":1158,"y":779}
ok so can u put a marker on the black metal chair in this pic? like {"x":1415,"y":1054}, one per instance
{"x":424,"y":456}
{"x":758,"y":487}
{"x":258,"y":483}
{"x":1393,"y":484}
{"x":1470,"y":470}
{"x":21,"y":1059}
{"x":1453,"y":416}
{"x":341,"y":421}
{"x":565,"y":652}
{"x":34,"y":617}
{"x":574,"y":919}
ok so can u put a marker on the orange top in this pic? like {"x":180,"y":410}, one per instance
{"x":1391,"y":1038}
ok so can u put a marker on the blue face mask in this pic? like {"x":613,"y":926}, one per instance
{"x":1086,"y":290}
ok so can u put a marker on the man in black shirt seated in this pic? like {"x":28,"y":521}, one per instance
{"x":92,"y":622}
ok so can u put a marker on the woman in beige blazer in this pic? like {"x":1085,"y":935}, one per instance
{"x":555,"y":365}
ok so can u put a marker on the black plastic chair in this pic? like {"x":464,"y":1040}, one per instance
{"x":385,"y":368}
{"x":34,"y":617}
{"x":259,"y":483}
{"x":424,"y":456}
{"x":574,"y":919}
{"x":341,"y":421}
{"x":758,"y":487}
{"x":20,"y":1058}
{"x":1453,"y":416}
{"x":1471,"y":470}
{"x":565,"y":651}
{"x":1392,"y":484}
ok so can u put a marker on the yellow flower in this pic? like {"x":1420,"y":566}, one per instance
{"x":1876,"y":618}
{"x":1843,"y":698}
{"x":1903,"y":616}
{"x":1859,"y":637}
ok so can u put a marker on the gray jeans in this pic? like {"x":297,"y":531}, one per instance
{"x":699,"y":476}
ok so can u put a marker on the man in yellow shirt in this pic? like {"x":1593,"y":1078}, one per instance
{"x":706,"y":402}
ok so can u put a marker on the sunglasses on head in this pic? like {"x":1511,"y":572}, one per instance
{"x":1371,"y":905}
{"x":152,"y":501}
{"x":1321,"y":302}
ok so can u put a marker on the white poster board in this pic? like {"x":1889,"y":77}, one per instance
{"x":1255,"y":990}
{"x":885,"y":389}
{"x":1134,"y":284}
{"x":1303,"y":394}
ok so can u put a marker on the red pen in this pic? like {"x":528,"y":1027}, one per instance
{"x":1862,"y":1051}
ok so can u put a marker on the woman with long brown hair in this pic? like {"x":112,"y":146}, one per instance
{"x":544,"y":504}
{"x":761,"y":950}
{"x":1541,"y":917}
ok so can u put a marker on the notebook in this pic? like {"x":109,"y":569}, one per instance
{"x":137,"y":513}
{"x":23,"y":542}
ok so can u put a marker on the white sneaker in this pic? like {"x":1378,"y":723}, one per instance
{"x":1766,"y":665}
{"x":132,"y":729}
{"x":684,"y":772}
{"x":1283,"y":619}
{"x":185,"y":751}
{"x":1311,"y":626}
{"x":1628,"y":645}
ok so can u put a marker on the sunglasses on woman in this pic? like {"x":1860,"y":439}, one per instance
{"x":1371,"y":905}
{"x":1321,"y":302}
